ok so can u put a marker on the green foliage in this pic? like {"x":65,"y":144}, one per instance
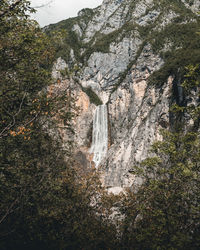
{"x":163,"y":214}
{"x":181,"y":36}
{"x":191,"y":109}
{"x":48,"y":201}
{"x":70,"y":39}
{"x":192,"y":83}
{"x":24,"y":56}
{"x":101,"y":42}
{"x":93,"y":96}
{"x":192,"y":78}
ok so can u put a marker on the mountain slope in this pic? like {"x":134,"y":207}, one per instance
{"x":130,"y":55}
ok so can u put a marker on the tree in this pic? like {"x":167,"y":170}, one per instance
{"x":46,"y":200}
{"x":164,"y":212}
{"x":25,"y":169}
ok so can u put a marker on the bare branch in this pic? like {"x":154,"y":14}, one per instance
{"x":11,"y":124}
{"x":30,"y":121}
{"x":9,"y":210}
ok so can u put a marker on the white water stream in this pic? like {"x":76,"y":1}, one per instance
{"x":100,"y":134}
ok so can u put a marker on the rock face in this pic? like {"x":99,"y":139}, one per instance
{"x":125,"y":50}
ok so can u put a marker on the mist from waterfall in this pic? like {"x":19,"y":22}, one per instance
{"x":100,"y":134}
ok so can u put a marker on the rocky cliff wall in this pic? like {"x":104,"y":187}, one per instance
{"x":124,"y":43}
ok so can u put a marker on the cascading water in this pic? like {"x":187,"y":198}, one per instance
{"x":100,"y":134}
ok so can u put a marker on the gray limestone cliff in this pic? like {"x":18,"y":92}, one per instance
{"x":128,"y":55}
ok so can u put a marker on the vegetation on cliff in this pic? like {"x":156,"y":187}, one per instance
{"x":48,"y":200}
{"x":163,"y":212}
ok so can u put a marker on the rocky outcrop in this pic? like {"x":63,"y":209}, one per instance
{"x":137,"y":112}
{"x":122,"y":44}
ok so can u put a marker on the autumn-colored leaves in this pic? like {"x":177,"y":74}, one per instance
{"x":21,"y":130}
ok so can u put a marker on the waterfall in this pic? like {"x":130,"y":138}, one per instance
{"x":100,"y":134}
